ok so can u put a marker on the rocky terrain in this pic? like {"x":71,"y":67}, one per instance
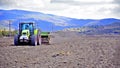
{"x":67,"y":50}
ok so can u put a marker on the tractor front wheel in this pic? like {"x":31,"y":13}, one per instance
{"x":16,"y":40}
{"x":34,"y":40}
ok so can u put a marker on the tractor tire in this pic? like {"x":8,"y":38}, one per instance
{"x":39,"y":42}
{"x":16,"y":40}
{"x":34,"y":40}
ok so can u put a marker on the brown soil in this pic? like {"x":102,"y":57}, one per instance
{"x":67,"y":50}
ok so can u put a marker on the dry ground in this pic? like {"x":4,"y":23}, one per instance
{"x":67,"y":50}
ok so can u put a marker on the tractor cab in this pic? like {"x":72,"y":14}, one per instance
{"x":26,"y":29}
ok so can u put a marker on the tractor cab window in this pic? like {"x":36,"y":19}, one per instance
{"x":31,"y":27}
{"x":25,"y":26}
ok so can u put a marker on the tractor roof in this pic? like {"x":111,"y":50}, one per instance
{"x":27,"y":23}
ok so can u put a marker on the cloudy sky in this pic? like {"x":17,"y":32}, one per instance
{"x":81,"y":9}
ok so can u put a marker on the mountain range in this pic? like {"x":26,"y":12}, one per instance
{"x":113,"y":28}
{"x":48,"y":22}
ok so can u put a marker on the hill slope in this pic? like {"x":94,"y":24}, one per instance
{"x":113,"y":28}
{"x":47,"y":22}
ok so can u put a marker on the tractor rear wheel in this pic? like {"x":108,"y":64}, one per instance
{"x":16,"y":40}
{"x":34,"y":40}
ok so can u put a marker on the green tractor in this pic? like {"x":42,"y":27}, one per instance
{"x":28,"y":34}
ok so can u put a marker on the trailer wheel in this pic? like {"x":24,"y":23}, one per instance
{"x":16,"y":40}
{"x":34,"y":40}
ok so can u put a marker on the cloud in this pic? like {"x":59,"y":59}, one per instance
{"x":92,"y":8}
{"x":62,"y":1}
{"x":116,"y":1}
{"x":34,"y":5}
{"x":5,"y":2}
{"x":116,"y":9}
{"x":82,"y":2}
{"x":68,"y":8}
{"x":21,"y":4}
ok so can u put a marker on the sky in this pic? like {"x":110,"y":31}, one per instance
{"x":80,"y":9}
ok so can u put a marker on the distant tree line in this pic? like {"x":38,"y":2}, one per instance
{"x":7,"y":33}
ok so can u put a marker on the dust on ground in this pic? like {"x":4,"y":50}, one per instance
{"x":67,"y":50}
